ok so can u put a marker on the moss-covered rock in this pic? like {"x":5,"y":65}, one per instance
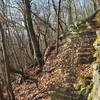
{"x":85,"y":84}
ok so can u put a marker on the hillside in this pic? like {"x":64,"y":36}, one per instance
{"x":49,"y":49}
{"x":61,"y":73}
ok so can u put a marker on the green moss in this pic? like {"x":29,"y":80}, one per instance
{"x":89,"y":87}
{"x":86,"y":87}
{"x":90,"y":96}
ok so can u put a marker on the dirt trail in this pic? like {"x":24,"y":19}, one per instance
{"x":57,"y":80}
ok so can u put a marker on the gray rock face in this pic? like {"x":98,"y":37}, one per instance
{"x":95,"y":94}
{"x":96,"y":81}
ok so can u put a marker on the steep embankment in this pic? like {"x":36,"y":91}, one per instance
{"x":58,"y":79}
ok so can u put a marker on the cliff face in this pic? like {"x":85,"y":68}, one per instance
{"x":95,"y":94}
{"x":96,"y":80}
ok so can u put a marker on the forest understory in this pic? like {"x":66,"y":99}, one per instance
{"x":49,"y":49}
{"x":58,"y":81}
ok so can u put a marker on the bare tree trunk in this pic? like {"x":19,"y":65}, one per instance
{"x":29,"y":38}
{"x":70,"y":18}
{"x":7,"y":66}
{"x":1,"y":94}
{"x":58,"y":22}
{"x":57,"y":46}
{"x":94,"y":4}
{"x":76,"y":17}
{"x":38,"y":54}
{"x":99,"y":2}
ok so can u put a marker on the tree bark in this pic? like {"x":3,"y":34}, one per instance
{"x":38,"y":54}
{"x":70,"y":18}
{"x":94,"y":4}
{"x":29,"y":38}
{"x":58,"y":27}
{"x":1,"y":94}
{"x":7,"y":66}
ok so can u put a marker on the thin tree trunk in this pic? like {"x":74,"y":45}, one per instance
{"x":70,"y":18}
{"x":58,"y":22}
{"x":94,"y":4}
{"x":1,"y":94}
{"x":76,"y":17}
{"x":7,"y":66}
{"x":57,"y":46}
{"x":99,"y":2}
{"x":29,"y":38}
{"x":38,"y":54}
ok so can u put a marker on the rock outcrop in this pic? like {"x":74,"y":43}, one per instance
{"x":95,"y":94}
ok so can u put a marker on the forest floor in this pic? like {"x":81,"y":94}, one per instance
{"x":58,"y":79}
